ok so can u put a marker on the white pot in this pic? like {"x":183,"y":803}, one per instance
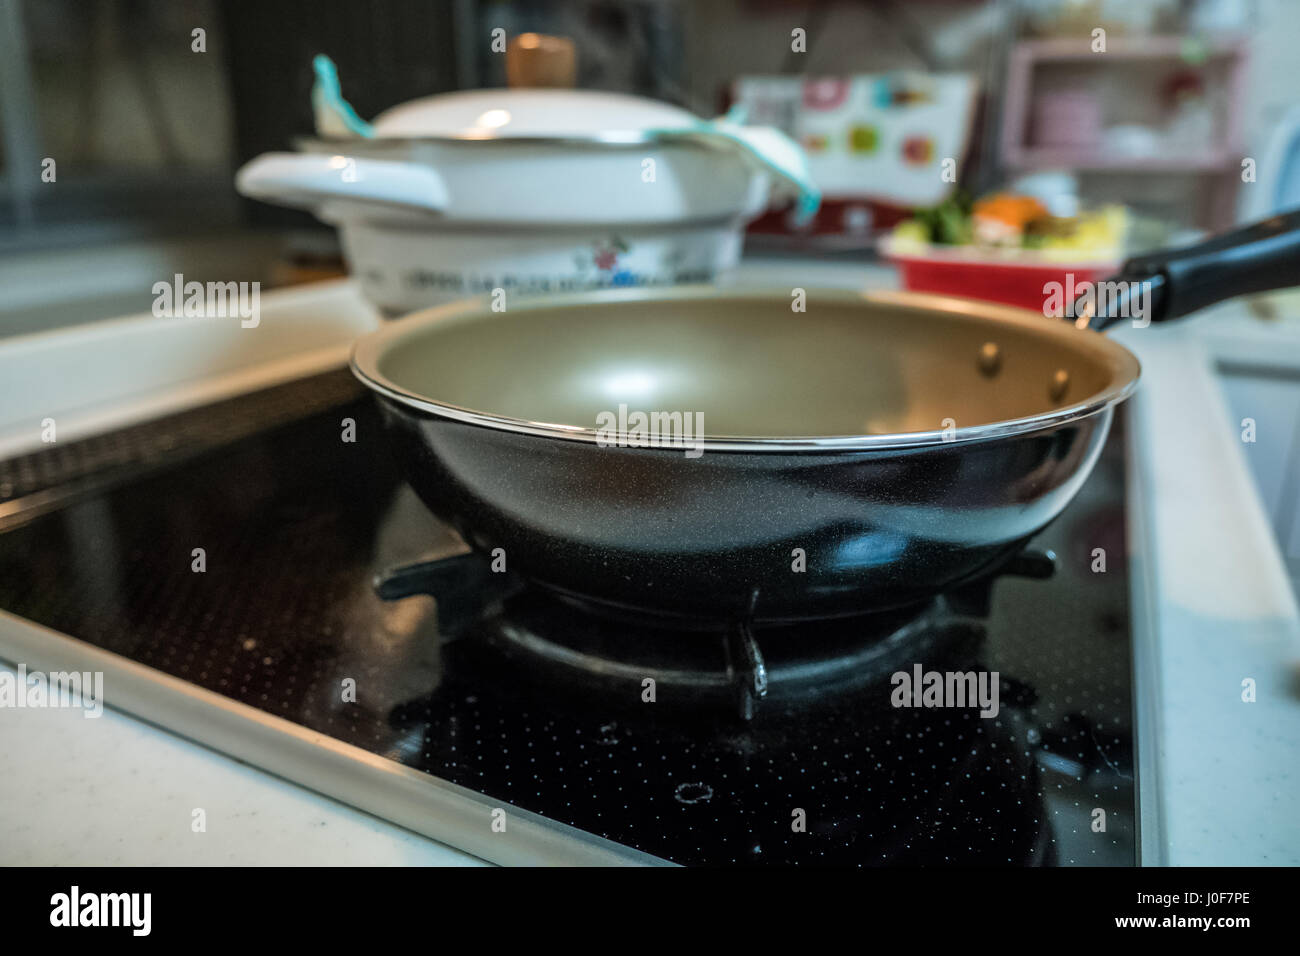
{"x":523,"y":190}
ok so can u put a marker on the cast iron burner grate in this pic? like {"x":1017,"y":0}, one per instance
{"x":557,"y":639}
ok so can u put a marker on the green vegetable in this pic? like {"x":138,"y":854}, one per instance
{"x":948,"y":223}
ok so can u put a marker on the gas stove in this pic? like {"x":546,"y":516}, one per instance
{"x":255,"y":575}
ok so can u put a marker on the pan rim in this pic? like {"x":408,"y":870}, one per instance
{"x":368,"y":351}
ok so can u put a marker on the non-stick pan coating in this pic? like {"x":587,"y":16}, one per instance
{"x":828,"y":485}
{"x":850,"y":366}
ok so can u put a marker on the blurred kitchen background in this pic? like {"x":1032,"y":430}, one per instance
{"x":1188,"y":123}
{"x":146,"y":133}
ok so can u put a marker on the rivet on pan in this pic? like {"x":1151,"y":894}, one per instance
{"x":990,"y":359}
{"x":1060,"y":382}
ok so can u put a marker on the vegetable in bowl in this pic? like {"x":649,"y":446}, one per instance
{"x":1005,"y":224}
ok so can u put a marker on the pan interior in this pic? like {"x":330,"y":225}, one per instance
{"x":752,"y":367}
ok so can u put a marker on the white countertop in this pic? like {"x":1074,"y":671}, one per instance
{"x":1219,"y":777}
{"x":113,"y":790}
{"x":1222,"y":611}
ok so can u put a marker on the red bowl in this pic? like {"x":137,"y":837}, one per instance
{"x":1012,"y":282}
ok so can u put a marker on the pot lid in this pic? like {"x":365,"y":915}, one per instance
{"x":564,"y":115}
{"x":532,"y":114}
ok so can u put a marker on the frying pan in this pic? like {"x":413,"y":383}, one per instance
{"x":863,"y":455}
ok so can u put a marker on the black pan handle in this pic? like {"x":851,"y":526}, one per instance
{"x":1168,"y":284}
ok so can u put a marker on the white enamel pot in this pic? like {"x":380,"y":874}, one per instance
{"x":523,"y":190}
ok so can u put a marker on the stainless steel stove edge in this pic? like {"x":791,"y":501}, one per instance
{"x":1142,"y":549}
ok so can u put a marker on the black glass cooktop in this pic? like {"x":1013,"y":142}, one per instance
{"x":99,"y":541}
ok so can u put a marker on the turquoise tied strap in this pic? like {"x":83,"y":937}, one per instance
{"x":770,"y":149}
{"x":334,"y":115}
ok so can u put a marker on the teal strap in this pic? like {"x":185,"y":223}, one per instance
{"x":776,"y":152}
{"x":769,"y":149}
{"x":334,"y":114}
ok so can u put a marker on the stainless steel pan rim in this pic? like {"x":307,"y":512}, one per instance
{"x":369,"y":349}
